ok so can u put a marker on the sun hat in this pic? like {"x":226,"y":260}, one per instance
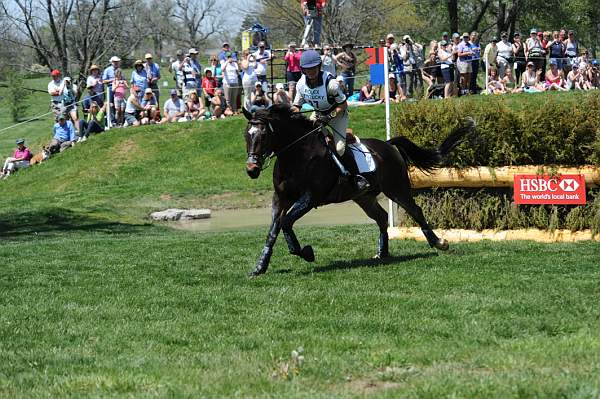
{"x":55,"y":72}
{"x":455,"y":35}
{"x":406,"y":37}
{"x":258,"y":83}
{"x":94,"y":66}
{"x":20,"y":141}
{"x":466,"y":34}
{"x":443,"y":43}
{"x":390,"y":36}
{"x":193,"y":51}
{"x":530,"y":63}
{"x":148,"y":56}
{"x":309,"y":59}
{"x":148,"y":90}
{"x":138,"y":62}
{"x":279,"y":86}
{"x":114,"y":58}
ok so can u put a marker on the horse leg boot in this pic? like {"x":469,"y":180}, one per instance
{"x":265,"y":256}
{"x":299,"y":209}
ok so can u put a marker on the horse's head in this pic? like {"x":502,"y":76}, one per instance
{"x":259,"y":138}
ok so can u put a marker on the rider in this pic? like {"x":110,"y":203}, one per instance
{"x":321,"y":90}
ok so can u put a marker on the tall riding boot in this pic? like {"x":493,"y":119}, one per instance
{"x":350,"y":163}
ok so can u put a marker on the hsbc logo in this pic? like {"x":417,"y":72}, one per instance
{"x":569,"y":185}
{"x":544,"y":189}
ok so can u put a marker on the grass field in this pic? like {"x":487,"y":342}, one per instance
{"x":140,"y":311}
{"x":97,"y":302}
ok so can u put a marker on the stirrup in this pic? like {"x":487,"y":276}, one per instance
{"x":361,"y":182}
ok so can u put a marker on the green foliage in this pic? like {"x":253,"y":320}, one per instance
{"x":512,"y":130}
{"x":16,"y":95}
{"x":478,"y":209}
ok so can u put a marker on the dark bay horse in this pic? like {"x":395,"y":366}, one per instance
{"x":305,"y":176}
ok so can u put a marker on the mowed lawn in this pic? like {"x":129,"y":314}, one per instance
{"x":116,"y":310}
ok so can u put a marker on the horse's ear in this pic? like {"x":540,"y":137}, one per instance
{"x":247,"y":113}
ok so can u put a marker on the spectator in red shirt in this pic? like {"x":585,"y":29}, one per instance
{"x":209,"y":84}
{"x":292,"y":59}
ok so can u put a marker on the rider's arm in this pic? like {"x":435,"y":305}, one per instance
{"x":334,"y":91}
{"x":298,"y":102}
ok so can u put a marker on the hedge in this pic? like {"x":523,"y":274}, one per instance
{"x":525,"y":129}
{"x":550,"y":130}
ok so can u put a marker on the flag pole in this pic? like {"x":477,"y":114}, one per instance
{"x":388,"y":135}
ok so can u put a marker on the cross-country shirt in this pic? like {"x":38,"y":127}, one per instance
{"x":323,"y":97}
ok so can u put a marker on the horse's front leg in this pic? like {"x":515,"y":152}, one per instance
{"x":298,"y":209}
{"x":265,"y":256}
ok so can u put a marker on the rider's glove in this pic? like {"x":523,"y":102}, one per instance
{"x":324,"y":118}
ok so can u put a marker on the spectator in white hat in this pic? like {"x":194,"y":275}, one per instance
{"x":231,"y":81}
{"x":175,"y":68}
{"x":258,"y":98}
{"x":108,"y":76}
{"x":281,"y":96}
{"x":249,"y":77}
{"x":150,"y":104}
{"x":389,"y":40}
{"x":328,"y":60}
{"x":196,"y":66}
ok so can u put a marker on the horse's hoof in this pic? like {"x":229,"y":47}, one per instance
{"x":256,"y":273}
{"x":442,"y":245}
{"x":308,"y":254}
{"x":381,"y":256}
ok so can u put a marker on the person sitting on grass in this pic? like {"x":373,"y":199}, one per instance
{"x":150,"y":107}
{"x":367,"y":93}
{"x":258,"y":98}
{"x":174,"y":108}
{"x":19,"y":160}
{"x":495,"y":85}
{"x":220,"y":107}
{"x":93,"y":123}
{"x":555,"y":78}
{"x":281,"y":96}
{"x":133,"y":108}
{"x":209,"y":84}
{"x":195,"y":108}
{"x":530,"y":81}
{"x":64,"y":135}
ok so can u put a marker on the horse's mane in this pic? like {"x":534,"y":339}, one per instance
{"x":283,"y":113}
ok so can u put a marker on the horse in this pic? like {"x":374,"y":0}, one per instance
{"x":305,"y":176}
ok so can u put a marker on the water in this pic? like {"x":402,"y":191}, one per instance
{"x":237,"y":219}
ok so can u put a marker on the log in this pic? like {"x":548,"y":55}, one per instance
{"x":483,"y":176}
{"x":459,"y":235}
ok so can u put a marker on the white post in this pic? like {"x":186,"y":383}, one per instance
{"x":107,"y":107}
{"x":386,"y":80}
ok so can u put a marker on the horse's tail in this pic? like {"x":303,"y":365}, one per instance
{"x":428,"y":159}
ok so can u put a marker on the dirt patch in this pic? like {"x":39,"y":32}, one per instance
{"x":123,"y":152}
{"x":367,"y":386}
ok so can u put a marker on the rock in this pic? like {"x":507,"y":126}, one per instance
{"x":192,"y":214}
{"x":169,"y":214}
{"x":181,"y":214}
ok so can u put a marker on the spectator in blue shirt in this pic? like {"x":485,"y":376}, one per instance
{"x":139,"y":77}
{"x":153,"y":73}
{"x":475,"y":61}
{"x":108,"y":76}
{"x":464,"y":65}
{"x":64,"y":135}
{"x":223,"y":54}
{"x":196,"y":67}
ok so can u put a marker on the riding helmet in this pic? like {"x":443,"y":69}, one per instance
{"x":309,"y":59}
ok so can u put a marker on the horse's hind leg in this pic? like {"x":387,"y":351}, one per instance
{"x":299,"y":209}
{"x":405,"y":199}
{"x":373,"y":210}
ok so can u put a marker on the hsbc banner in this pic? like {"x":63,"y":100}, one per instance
{"x":558,"y":190}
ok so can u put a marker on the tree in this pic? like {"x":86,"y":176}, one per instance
{"x":200,"y":19}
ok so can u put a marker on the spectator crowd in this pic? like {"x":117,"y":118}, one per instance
{"x":447,"y":67}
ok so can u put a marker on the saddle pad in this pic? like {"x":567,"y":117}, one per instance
{"x":362,"y":156}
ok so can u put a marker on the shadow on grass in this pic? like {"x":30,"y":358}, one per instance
{"x":58,"y":220}
{"x":356,"y":263}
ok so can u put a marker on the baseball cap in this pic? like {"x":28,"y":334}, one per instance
{"x":148,"y":56}
{"x":279,"y":86}
{"x":261,"y":44}
{"x":530,"y":63}
{"x":20,"y":141}
{"x":173,"y":91}
{"x":225,"y":44}
{"x":114,"y":58}
{"x":444,"y":33}
{"x":553,"y":62}
{"x":55,"y":72}
{"x":292,"y":44}
{"x":540,"y":33}
{"x":391,"y":76}
{"x":443,"y":43}
{"x":455,"y":35}
{"x":67,"y":79}
{"x":494,"y":39}
{"x":258,"y":84}
{"x":533,"y":30}
{"x":207,"y":70}
{"x":339,"y":78}
{"x":466,"y":34}
{"x":406,"y":37}
{"x":193,"y":51}
{"x":138,"y":62}
{"x":390,"y":36}
{"x":179,"y":52}
{"x":517,"y":34}
{"x":148,"y":90}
